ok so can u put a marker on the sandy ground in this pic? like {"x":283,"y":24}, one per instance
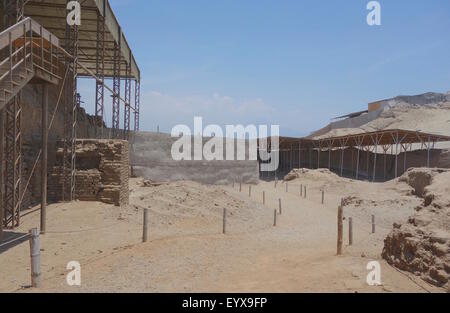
{"x":187,"y":252}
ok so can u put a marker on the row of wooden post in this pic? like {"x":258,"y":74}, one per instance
{"x":34,"y":235}
{"x":350,"y":229}
{"x":302,"y":190}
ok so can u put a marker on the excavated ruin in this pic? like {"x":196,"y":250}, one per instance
{"x":421,"y":245}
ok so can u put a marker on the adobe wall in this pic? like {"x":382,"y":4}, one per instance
{"x":31,"y":135}
{"x":102,"y":172}
{"x":151,"y":158}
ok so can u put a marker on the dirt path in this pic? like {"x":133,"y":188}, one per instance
{"x":188,"y":253}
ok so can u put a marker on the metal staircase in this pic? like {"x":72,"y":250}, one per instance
{"x":28,"y":52}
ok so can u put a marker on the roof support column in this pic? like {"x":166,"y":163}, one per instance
{"x":310,"y":158}
{"x":330,"y":147}
{"x":300,"y":154}
{"x":44,"y":135}
{"x":291,"y":158}
{"x":137,"y":100}
{"x":318,"y":154}
{"x":70,"y":115}
{"x":357,"y":162}
{"x":116,"y":88}
{"x":368,"y":162}
{"x":385,"y":149}
{"x":342,"y":147}
{"x":13,"y":162}
{"x":100,"y":72}
{"x":375,"y":156}
{"x":396,"y":154}
{"x":405,"y":151}
{"x":127,"y":111}
{"x":12,"y":13}
{"x":353,"y":158}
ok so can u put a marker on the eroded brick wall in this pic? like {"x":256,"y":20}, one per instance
{"x":102,"y":172}
{"x":31,"y":136}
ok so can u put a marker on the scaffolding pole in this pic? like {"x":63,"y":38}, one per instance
{"x":13,"y":162}
{"x":137,"y":104}
{"x":70,"y":116}
{"x":127,"y":110}
{"x":12,"y":13}
{"x":100,"y":73}
{"x":116,"y":89}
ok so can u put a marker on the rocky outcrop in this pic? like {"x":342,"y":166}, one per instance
{"x":422,"y":244}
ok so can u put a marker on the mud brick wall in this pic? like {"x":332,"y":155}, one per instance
{"x":151,"y":158}
{"x":102,"y":172}
{"x":31,"y":136}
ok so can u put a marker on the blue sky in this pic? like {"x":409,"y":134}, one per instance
{"x":293,"y":63}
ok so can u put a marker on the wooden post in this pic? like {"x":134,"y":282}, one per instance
{"x":340,"y":230}
{"x":224,"y":226}
{"x":279,"y":206}
{"x":304,"y":192}
{"x":240,"y":187}
{"x":275,"y":218}
{"x":44,"y":158}
{"x":35,"y":253}
{"x":264,"y":197}
{"x":350,"y":231}
{"x":145,"y":226}
{"x":249,"y":191}
{"x":373,"y":224}
{"x":323,"y":196}
{"x":301,"y":190}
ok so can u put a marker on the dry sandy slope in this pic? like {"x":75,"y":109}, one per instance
{"x":187,"y":251}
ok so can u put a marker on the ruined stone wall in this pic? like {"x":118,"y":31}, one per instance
{"x":102,"y":172}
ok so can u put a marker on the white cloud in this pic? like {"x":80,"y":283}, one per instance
{"x":166,"y":110}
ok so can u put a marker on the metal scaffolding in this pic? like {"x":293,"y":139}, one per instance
{"x":70,"y":115}
{"x":127,"y":110}
{"x":109,"y":57}
{"x":13,"y":13}
{"x":100,"y":72}
{"x":137,"y":103}
{"x":13,"y":162}
{"x":116,"y":94}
